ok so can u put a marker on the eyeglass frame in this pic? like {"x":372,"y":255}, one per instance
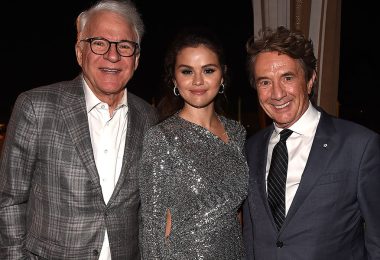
{"x":90,"y":40}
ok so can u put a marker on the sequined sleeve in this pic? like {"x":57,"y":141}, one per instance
{"x":154,"y":202}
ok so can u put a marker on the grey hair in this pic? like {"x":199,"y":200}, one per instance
{"x":125,"y":8}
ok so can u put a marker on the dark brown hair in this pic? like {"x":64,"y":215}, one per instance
{"x":294,"y":44}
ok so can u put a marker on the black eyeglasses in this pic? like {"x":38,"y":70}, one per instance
{"x":101,"y":46}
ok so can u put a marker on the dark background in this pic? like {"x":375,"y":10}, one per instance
{"x":38,"y":48}
{"x":359,"y":64}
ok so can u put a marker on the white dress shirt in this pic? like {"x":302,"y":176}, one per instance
{"x":108,"y":140}
{"x":299,"y":146}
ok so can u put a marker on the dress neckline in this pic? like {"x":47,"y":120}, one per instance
{"x":204,"y":129}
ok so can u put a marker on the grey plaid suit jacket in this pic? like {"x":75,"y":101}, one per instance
{"x":51,"y":202}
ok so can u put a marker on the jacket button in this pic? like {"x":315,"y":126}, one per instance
{"x":279,"y":244}
{"x":95,"y":252}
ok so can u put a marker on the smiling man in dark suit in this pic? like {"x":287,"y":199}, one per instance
{"x":328,"y":205}
{"x":68,"y":173}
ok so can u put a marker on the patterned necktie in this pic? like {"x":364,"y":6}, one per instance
{"x":276,"y":182}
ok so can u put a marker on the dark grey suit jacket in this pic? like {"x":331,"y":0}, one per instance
{"x":51,"y":202}
{"x":335,"y":214}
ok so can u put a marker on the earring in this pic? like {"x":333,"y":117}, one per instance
{"x":176,"y":91}
{"x":221,"y":89}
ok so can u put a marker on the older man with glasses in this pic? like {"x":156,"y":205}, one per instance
{"x":68,"y":178}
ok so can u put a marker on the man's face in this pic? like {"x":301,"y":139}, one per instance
{"x":281,"y":87}
{"x":107,"y":74}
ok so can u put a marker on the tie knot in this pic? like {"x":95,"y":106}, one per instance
{"x":284,"y":134}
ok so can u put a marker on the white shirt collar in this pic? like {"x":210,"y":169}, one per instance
{"x":306,"y":124}
{"x":92,"y":101}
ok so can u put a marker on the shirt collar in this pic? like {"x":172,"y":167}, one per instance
{"x":92,"y":101}
{"x":306,"y":124}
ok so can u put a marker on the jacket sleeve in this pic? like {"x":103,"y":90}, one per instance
{"x":17,"y":165}
{"x":154,"y":173}
{"x":369,"y":195}
{"x":247,"y":231}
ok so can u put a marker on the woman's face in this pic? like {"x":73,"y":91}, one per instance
{"x":198,"y":76}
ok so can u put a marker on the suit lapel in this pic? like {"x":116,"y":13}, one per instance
{"x":257,"y":159}
{"x":262,"y":163}
{"x":317,"y":162}
{"x":131,"y":146}
{"x":75,"y":116}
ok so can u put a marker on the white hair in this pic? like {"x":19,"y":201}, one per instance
{"x":125,"y":8}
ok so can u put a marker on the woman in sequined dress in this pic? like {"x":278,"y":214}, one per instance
{"x":193,"y":171}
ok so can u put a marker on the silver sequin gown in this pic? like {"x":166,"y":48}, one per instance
{"x":202,"y":181}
